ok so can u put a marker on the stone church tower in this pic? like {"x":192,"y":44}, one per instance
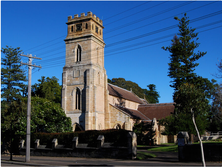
{"x":84,"y":92}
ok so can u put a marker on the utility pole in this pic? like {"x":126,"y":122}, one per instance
{"x":28,"y":132}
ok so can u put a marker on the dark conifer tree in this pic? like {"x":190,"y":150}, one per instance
{"x":183,"y":59}
{"x":181,"y":70}
{"x":12,"y":75}
{"x":12,"y":84}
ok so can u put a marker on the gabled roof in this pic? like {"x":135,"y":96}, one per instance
{"x":123,"y":93}
{"x":135,"y":114}
{"x":157,"y":111}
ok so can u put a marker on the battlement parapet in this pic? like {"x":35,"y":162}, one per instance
{"x":83,"y":16}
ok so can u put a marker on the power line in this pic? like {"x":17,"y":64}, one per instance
{"x":45,"y":43}
{"x":124,"y":11}
{"x":148,"y":17}
{"x":135,"y":13}
{"x":170,"y":17}
{"x":105,"y":33}
{"x":160,"y":30}
{"x":103,"y":20}
{"x":139,"y":44}
{"x":130,"y":30}
{"x":143,"y":46}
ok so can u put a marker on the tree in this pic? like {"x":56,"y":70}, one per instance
{"x":181,"y":70}
{"x":216,"y":110}
{"x":183,"y":58}
{"x":48,"y":116}
{"x":11,"y":114}
{"x":150,"y":95}
{"x":144,"y":132}
{"x":12,"y":75}
{"x":12,"y":78}
{"x":191,"y":102}
{"x":48,"y":88}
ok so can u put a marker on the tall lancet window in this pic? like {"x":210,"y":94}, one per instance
{"x":77,"y":107}
{"x":78,"y":54}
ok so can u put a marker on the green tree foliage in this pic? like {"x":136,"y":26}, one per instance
{"x":48,"y":116}
{"x":181,"y":70}
{"x":188,"y":97}
{"x":12,"y":75}
{"x":48,"y":88}
{"x":216,"y":110}
{"x":151,"y":95}
{"x":144,"y":132}
{"x":12,"y":78}
{"x":11,"y":128}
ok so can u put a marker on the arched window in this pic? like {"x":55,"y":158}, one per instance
{"x":72,"y":29}
{"x":77,"y":107}
{"x":78,"y":54}
{"x":86,"y":25}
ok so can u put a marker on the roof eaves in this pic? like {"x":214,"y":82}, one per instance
{"x":120,"y":110}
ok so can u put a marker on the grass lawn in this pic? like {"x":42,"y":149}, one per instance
{"x":170,"y":148}
{"x":143,"y":155}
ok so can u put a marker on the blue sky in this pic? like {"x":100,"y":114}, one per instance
{"x":134,"y":34}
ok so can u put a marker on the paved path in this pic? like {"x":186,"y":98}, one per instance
{"x":160,"y":160}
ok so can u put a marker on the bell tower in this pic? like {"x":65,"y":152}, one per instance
{"x":84,"y":89}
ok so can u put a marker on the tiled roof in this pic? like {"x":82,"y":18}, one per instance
{"x":157,"y":111}
{"x":123,"y":93}
{"x":135,"y":114}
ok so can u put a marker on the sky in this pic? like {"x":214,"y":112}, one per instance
{"x":134,"y":34}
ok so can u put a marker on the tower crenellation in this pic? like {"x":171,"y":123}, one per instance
{"x":84,"y":16}
{"x":82,"y":25}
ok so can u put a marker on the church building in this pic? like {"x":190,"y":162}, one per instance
{"x":87,"y":98}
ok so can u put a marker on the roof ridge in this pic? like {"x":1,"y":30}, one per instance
{"x":127,"y":91}
{"x":148,"y":119}
{"x":120,"y":109}
{"x":157,"y":104}
{"x":120,"y":87}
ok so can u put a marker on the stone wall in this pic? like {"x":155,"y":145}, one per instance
{"x":118,"y":117}
{"x":127,"y":103}
{"x":100,"y":149}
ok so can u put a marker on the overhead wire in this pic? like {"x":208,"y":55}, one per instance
{"x":140,"y":44}
{"x":162,"y":12}
{"x":136,"y":13}
{"x":143,"y":46}
{"x":129,"y":39}
{"x":119,"y":19}
{"x":170,"y":17}
{"x":103,"y":20}
{"x":148,"y":24}
{"x":124,"y":11}
{"x":148,"y":17}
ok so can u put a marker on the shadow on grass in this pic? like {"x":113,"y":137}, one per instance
{"x":144,"y":155}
